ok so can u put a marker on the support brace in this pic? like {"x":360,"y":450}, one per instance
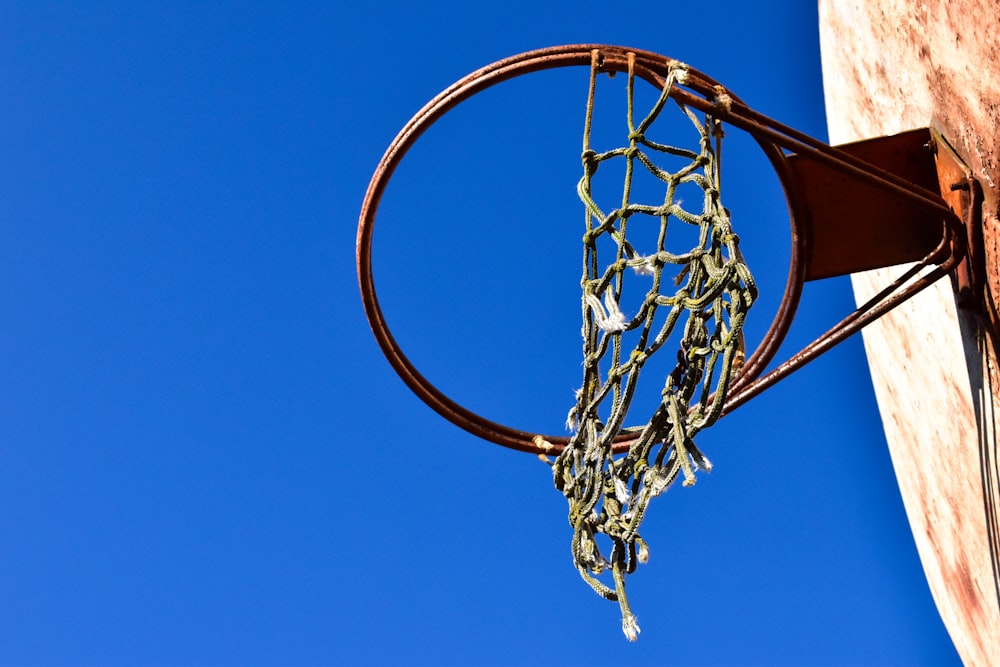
{"x":854,"y":226}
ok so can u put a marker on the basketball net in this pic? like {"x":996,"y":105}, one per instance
{"x":702,"y":293}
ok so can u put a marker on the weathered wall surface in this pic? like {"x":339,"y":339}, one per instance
{"x":890,"y":66}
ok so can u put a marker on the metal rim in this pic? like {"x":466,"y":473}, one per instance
{"x":652,"y":68}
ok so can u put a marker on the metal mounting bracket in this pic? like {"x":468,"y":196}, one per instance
{"x":854,"y":225}
{"x":964,"y":195}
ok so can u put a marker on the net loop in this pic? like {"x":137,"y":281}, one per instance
{"x":704,"y":313}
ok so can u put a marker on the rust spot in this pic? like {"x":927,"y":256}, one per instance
{"x":965,"y":595}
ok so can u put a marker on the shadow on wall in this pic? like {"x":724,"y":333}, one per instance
{"x":984,"y":377}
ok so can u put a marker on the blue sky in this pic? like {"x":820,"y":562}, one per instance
{"x":204,"y":457}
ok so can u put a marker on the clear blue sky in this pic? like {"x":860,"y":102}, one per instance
{"x":204,"y":457}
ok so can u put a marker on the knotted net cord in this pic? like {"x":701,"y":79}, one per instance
{"x":714,"y":290}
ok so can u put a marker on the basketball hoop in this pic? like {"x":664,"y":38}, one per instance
{"x":800,"y":176}
{"x":609,"y":471}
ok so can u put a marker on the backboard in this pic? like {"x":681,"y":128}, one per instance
{"x":890,"y":66}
